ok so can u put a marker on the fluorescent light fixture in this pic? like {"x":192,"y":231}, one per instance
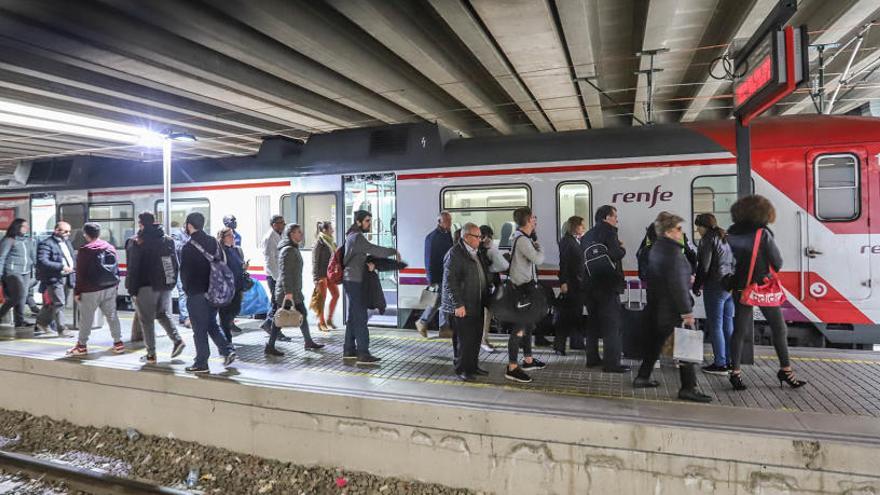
{"x":21,"y":115}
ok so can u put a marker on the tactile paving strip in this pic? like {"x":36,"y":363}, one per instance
{"x":840,"y":383}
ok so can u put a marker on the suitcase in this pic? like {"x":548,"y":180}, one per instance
{"x":633,"y":326}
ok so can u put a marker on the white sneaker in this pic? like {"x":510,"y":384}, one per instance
{"x":487,"y":347}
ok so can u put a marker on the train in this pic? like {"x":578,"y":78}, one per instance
{"x":817,"y":170}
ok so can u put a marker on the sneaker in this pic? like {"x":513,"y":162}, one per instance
{"x":178,"y":348}
{"x":283,"y":338}
{"x":422,"y":327}
{"x":487,"y":347}
{"x":517,"y":375}
{"x":229,"y":359}
{"x":40,"y":329}
{"x":368,"y":359}
{"x":77,"y":350}
{"x":149,"y":359}
{"x":118,"y":347}
{"x":641,"y":382}
{"x":349,"y":357}
{"x":197,"y":369}
{"x":536,"y":364}
{"x":714,"y":369}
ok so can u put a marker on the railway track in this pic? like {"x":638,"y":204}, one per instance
{"x":80,"y":478}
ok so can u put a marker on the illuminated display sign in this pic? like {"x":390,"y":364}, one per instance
{"x":755,"y":80}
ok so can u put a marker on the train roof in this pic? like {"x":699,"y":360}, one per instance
{"x":424,"y":145}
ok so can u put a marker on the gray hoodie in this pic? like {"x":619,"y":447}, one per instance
{"x":357,"y":248}
{"x":526,"y":258}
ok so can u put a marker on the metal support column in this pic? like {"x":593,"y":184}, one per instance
{"x":166,"y":184}
{"x":743,"y":160}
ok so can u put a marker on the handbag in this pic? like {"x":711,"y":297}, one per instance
{"x":687,"y":345}
{"x":287,"y":317}
{"x":428,"y":297}
{"x":524,"y":304}
{"x":769,"y":293}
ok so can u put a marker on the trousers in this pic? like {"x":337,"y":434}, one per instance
{"x":467,"y":332}
{"x":604,"y":320}
{"x":89,"y":304}
{"x":152,"y":306}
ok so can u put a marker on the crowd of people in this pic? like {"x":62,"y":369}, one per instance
{"x":473,"y":281}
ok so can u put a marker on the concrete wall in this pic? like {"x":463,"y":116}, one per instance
{"x":501,"y":451}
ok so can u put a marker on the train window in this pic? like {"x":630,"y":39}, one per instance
{"x":713,"y":194}
{"x":487,"y":205}
{"x":836,"y":179}
{"x":75,"y":215}
{"x":287,"y":207}
{"x":572,"y":198}
{"x":311,"y":209}
{"x":116,"y":220}
{"x":42,"y":215}
{"x":180,"y":208}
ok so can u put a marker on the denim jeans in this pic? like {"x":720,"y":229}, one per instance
{"x":719,"y":322}
{"x":357,"y":335}
{"x":204,"y":322}
{"x":183,"y":313}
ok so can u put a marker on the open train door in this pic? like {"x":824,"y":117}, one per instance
{"x":838,"y":270}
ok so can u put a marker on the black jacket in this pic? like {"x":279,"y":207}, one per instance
{"x":571,"y":263}
{"x":466,"y":281}
{"x":321,"y":254}
{"x":50,"y":262}
{"x":195,"y":270}
{"x":437,"y":243}
{"x":741,"y":238}
{"x":714,"y":261}
{"x":144,"y":253}
{"x":604,"y":233}
{"x":374,"y":296}
{"x":669,"y":277}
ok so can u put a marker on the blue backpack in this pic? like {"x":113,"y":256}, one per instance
{"x":221,"y":284}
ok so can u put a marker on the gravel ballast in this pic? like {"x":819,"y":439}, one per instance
{"x":185,"y":465}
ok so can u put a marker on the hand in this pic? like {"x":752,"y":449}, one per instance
{"x":66,"y":271}
{"x":247,"y":264}
{"x":288,"y":297}
{"x":371,"y":266}
{"x":693,"y":279}
{"x":689,"y":321}
{"x":460,"y":312}
{"x":77,"y":298}
{"x":563,"y":288}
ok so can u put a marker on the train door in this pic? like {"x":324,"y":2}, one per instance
{"x":377,"y":193}
{"x":837,"y":267}
{"x":43,"y":215}
{"x":307,"y":209}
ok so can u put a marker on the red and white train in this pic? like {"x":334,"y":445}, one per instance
{"x":821,"y":172}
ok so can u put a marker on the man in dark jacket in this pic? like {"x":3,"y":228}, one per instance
{"x":466,"y":283}
{"x":97,"y":278}
{"x":195,"y":273}
{"x":437,"y":244}
{"x":603,"y":294}
{"x":152,"y":275}
{"x":55,"y":269}
{"x":669,"y":304}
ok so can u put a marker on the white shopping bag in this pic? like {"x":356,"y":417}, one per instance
{"x":429,"y":296}
{"x":688,"y":345}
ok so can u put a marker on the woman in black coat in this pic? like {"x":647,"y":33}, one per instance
{"x":669,"y":303}
{"x":571,"y":284}
{"x":750,"y":214}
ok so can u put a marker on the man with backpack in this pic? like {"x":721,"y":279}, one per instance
{"x":97,"y":278}
{"x":206,"y":284}
{"x":152,"y":275}
{"x":603,"y":259}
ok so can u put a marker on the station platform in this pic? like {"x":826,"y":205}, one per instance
{"x":573,"y":430}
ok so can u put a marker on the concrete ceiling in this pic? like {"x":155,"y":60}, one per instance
{"x":234,"y":71}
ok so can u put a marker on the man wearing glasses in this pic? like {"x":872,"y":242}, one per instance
{"x":55,"y":270}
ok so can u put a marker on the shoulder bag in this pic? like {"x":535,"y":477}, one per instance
{"x":769,"y":292}
{"x":525,"y":304}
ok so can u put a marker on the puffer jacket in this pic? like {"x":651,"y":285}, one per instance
{"x":290,"y":269}
{"x":741,"y":238}
{"x":14,"y":256}
{"x":669,"y":276}
{"x":715,"y":261}
{"x":466,"y":280}
{"x":321,"y":255}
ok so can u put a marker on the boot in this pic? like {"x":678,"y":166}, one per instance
{"x":445,"y":332}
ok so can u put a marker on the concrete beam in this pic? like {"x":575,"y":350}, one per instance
{"x":473,"y":34}
{"x":743,"y":28}
{"x":411,"y":31}
{"x":580,"y":23}
{"x":139,"y":49}
{"x":838,"y":24}
{"x":537,"y":54}
{"x":326,"y":36}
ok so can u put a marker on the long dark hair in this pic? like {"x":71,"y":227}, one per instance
{"x":323,"y":226}
{"x":14,"y":229}
{"x":709,"y":222}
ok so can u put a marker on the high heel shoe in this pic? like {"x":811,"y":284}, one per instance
{"x":323,"y":327}
{"x":331,"y":325}
{"x":737,"y":381}
{"x":789,"y":378}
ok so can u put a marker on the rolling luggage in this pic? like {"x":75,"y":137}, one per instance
{"x":633,"y":326}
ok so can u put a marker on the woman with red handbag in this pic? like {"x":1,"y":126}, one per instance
{"x":755,"y":283}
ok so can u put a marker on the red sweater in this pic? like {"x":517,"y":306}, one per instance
{"x":85,"y":260}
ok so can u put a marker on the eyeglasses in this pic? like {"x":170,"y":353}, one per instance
{"x":472,"y":235}
{"x":63,"y":231}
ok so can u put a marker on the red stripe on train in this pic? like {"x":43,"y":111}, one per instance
{"x":219,"y":187}
{"x":564,"y":168}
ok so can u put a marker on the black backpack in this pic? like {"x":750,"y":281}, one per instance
{"x":600,"y":267}
{"x":167,"y":263}
{"x":105,"y":269}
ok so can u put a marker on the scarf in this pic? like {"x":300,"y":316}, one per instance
{"x":326,"y":239}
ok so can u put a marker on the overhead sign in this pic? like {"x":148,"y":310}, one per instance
{"x":772,"y":69}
